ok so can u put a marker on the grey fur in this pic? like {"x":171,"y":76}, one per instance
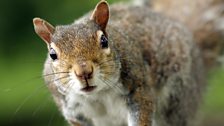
{"x":161,"y":66}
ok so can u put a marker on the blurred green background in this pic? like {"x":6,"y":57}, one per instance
{"x":24,"y":99}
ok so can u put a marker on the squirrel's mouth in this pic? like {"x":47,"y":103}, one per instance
{"x":88,"y":88}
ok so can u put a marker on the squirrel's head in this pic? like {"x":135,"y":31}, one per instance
{"x":80,"y":54}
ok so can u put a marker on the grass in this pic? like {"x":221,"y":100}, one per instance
{"x":213,"y":108}
{"x":214,"y":102}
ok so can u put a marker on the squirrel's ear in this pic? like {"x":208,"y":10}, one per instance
{"x":43,"y":29}
{"x":101,"y":14}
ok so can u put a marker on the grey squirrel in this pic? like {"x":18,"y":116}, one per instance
{"x":123,"y":65}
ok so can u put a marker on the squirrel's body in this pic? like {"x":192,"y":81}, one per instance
{"x":150,"y":75}
{"x":204,"y":18}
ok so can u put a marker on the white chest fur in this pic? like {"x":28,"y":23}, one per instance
{"x":106,"y":108}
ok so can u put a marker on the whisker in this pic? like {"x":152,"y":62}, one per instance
{"x":40,"y":106}
{"x":106,"y":61}
{"x":20,"y":84}
{"x":113,"y":67}
{"x":109,"y":66}
{"x":25,"y":61}
{"x":23,"y":83}
{"x":111,"y":59}
{"x":106,"y":73}
{"x":105,"y":82}
{"x":114,"y":86}
{"x":111,"y":84}
{"x":27,"y":98}
{"x":60,"y":78}
{"x":69,"y":86}
{"x":63,"y":89}
{"x":52,"y":118}
{"x":54,"y":73}
{"x":117,"y":62}
{"x":116,"y":65}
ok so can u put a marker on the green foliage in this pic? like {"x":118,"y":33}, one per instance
{"x":215,"y":91}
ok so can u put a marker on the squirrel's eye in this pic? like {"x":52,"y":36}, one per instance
{"x":103,"y":42}
{"x":53,"y":54}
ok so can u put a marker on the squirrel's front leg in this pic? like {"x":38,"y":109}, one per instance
{"x":140,"y":105}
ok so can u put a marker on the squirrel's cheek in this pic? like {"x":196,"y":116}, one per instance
{"x":107,"y":51}
{"x":55,"y":64}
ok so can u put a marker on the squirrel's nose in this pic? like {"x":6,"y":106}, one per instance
{"x":84,"y":71}
{"x":84,"y":75}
